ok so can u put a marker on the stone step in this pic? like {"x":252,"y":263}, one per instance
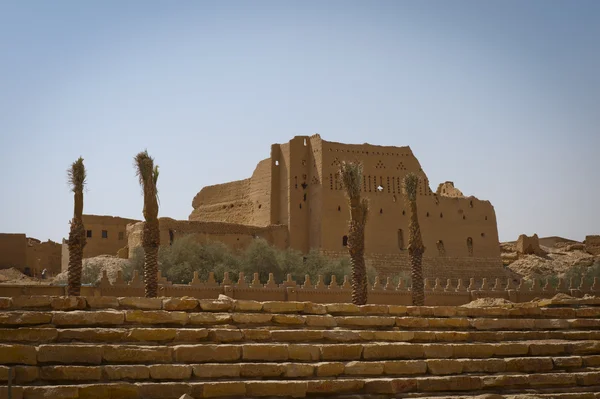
{"x":233,"y":371}
{"x":225,"y":334}
{"x":19,"y":354}
{"x":80,"y":318}
{"x":459,"y":385}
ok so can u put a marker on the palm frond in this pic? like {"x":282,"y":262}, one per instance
{"x":76,"y":175}
{"x":351,"y":178}
{"x":410,"y":184}
{"x":144,"y":165}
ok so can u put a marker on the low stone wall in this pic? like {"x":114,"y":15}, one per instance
{"x":437,"y":291}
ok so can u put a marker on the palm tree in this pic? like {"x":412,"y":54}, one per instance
{"x":415,"y":242}
{"x":76,"y":177}
{"x":352,"y":180}
{"x":147,"y":173}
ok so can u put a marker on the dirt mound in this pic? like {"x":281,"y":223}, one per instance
{"x":487,"y":302}
{"x":14,"y":276}
{"x":555,"y":262}
{"x":93,"y":267}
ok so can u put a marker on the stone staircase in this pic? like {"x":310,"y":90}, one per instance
{"x":107,"y":347}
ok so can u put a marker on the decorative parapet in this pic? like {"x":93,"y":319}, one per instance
{"x":437,"y":291}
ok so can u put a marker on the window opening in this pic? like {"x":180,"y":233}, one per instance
{"x":121,"y":235}
{"x":104,"y":234}
{"x":440,"y":248}
{"x":400,"y":239}
{"x":88,"y":234}
{"x":470,"y":246}
{"x":345,"y":241}
{"x":171,"y":237}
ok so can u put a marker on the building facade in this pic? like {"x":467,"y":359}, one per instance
{"x":299,"y":186}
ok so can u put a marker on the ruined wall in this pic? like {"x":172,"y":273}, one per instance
{"x":529,"y":245}
{"x":13,"y":251}
{"x":447,"y":189}
{"x":235,"y":236}
{"x":592,"y":244}
{"x":245,"y":202}
{"x":105,"y":234}
{"x":44,"y":255}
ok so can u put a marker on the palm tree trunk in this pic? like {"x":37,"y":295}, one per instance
{"x":356,"y":247}
{"x":415,"y":251}
{"x":150,"y":243}
{"x":76,"y":243}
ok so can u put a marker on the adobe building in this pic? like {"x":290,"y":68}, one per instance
{"x":105,"y":235}
{"x":299,"y":187}
{"x":29,"y":255}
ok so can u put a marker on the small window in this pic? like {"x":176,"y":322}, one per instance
{"x":339,"y":208}
{"x":121,"y":235}
{"x":381,"y":211}
{"x":440,"y":248}
{"x":441,"y":215}
{"x":486,"y":218}
{"x":88,"y":234}
{"x":304,"y":197}
{"x":104,"y":233}
{"x":172,"y":237}
{"x":403,"y":213}
{"x":470,"y":246}
{"x":300,"y":206}
{"x":483,"y":234}
{"x":276,"y":163}
{"x":471,"y":204}
{"x":427,"y":214}
{"x":305,"y":142}
{"x":345,"y":241}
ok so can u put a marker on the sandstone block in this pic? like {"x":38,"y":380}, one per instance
{"x":265,"y":352}
{"x":191,"y":335}
{"x":156,"y":317}
{"x":102,"y":302}
{"x":390,"y":385}
{"x":296,"y":370}
{"x":4,"y":374}
{"x":531,"y":364}
{"x":88,"y":318}
{"x":552,"y":379}
{"x":455,"y":322}
{"x":16,"y":392}
{"x":334,"y":386}
{"x":329,"y":369}
{"x":70,"y":373}
{"x":341,"y":352}
{"x":511,"y":349}
{"x":170,"y":372}
{"x":140,"y":303}
{"x":163,"y":390}
{"x":251,"y":318}
{"x":24,"y":318}
{"x":505,"y":381}
{"x":397,"y":310}
{"x":342,"y":308}
{"x":28,"y":334}
{"x":452,"y":336}
{"x":256,"y":335}
{"x":423,"y":311}
{"x":539,"y":349}
{"x":116,"y":391}
{"x":261,"y":370}
{"x":443,"y":351}
{"x":283,"y":307}
{"x":392,"y":351}
{"x":137,"y":354}
{"x":289,"y":319}
{"x":567,"y":362}
{"x":374,"y":309}
{"x":585,"y":347}
{"x":25,"y":374}
{"x":94,"y":391}
{"x":219,"y":389}
{"x":179,"y":304}
{"x":586,"y":379}
{"x":295,"y":389}
{"x":296,"y":335}
{"x":247,"y":306}
{"x":5,"y":303}
{"x":503,"y":324}
{"x":445,"y":311}
{"x":321,"y":321}
{"x":342,"y":335}
{"x":304,"y":352}
{"x":314,"y":308}
{"x":208,"y":318}
{"x":51,"y":392}
{"x":405,"y":367}
{"x":216,"y":370}
{"x":365,"y":321}
{"x":213,"y":305}
{"x":588,"y":312}
{"x":32,"y":301}
{"x":129,"y":372}
{"x":591,"y":361}
{"x":474,"y":351}
{"x":364,"y":368}
{"x":561,"y":313}
{"x":207,"y":353}
{"x":68,"y":303}
{"x":91,"y":335}
{"x":225,"y":335}
{"x":412,"y":322}
{"x":397,"y":336}
{"x":551,"y":324}
{"x":444,"y":367}
{"x":424,"y":336}
{"x":452,"y":383}
{"x":483,"y":365}
{"x":17,"y":354}
{"x":583,"y":323}
{"x":151,"y":334}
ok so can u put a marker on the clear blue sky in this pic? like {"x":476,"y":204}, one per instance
{"x":501,"y":97}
